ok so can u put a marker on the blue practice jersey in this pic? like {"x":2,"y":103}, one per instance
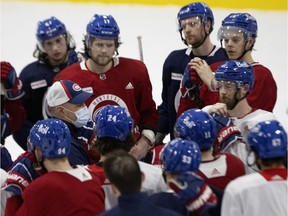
{"x":172,"y":74}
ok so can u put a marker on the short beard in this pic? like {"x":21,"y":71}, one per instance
{"x":230,"y":103}
{"x":101,"y":63}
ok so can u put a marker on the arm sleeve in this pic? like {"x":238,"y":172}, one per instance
{"x":260,"y":98}
{"x":17,"y":114}
{"x":163,"y":126}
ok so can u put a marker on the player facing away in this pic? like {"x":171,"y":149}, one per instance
{"x":124,"y":174}
{"x":238,"y":33}
{"x":217,"y":170}
{"x":114,"y":131}
{"x":54,"y":51}
{"x":263,"y":193}
{"x":188,"y":194}
{"x":63,"y":190}
{"x":195,"y":24}
{"x":115,"y":80}
{"x":234,"y":115}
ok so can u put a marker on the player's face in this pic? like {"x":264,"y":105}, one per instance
{"x":102,"y":51}
{"x":234,"y":45}
{"x":193,"y":30}
{"x":228,"y":94}
{"x":56,"y":49}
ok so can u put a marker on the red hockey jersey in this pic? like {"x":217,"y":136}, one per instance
{"x":73,"y":192}
{"x":126,"y":84}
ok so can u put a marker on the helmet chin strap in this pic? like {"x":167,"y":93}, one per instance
{"x":244,"y":52}
{"x":237,"y":100}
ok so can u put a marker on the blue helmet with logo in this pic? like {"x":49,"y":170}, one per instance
{"x":198,"y":126}
{"x":52,"y":136}
{"x":49,"y":28}
{"x":180,"y":156}
{"x":103,"y":26}
{"x":237,"y":71}
{"x":268,"y":139}
{"x":195,"y":9}
{"x":114,"y":122}
{"x":236,"y":23}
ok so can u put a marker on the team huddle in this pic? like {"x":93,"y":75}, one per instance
{"x":93,"y":137}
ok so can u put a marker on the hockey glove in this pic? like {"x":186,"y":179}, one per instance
{"x":86,"y":136}
{"x":228,"y":133}
{"x":6,"y":160}
{"x":87,"y":132}
{"x":24,"y":170}
{"x":191,"y":84}
{"x":12,"y":85}
{"x":193,"y":191}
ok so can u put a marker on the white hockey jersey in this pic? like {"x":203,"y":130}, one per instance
{"x":263,"y":193}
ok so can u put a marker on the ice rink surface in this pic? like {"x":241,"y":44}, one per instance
{"x":157,"y":27}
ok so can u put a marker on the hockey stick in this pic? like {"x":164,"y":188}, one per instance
{"x":139,"y":38}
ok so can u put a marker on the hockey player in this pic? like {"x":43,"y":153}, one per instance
{"x":114,"y":130}
{"x":217,"y":170}
{"x":115,"y":80}
{"x":195,"y":24}
{"x":124,"y":173}
{"x":235,"y":117}
{"x":263,"y":193}
{"x":64,"y":190}
{"x":54,"y":51}
{"x":12,"y":112}
{"x":188,"y":193}
{"x":238,"y":33}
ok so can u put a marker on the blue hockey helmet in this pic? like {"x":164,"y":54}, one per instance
{"x":180,"y":156}
{"x":236,"y":23}
{"x":103,"y":26}
{"x":114,"y":122}
{"x":49,"y":28}
{"x":195,"y":9}
{"x":52,"y":136}
{"x":268,"y":139}
{"x":198,"y":126}
{"x":237,"y":71}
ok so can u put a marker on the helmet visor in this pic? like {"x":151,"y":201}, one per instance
{"x":227,"y":32}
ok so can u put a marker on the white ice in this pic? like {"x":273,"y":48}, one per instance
{"x":156,"y":25}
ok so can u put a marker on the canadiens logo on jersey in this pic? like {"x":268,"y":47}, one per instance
{"x":103,"y":100}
